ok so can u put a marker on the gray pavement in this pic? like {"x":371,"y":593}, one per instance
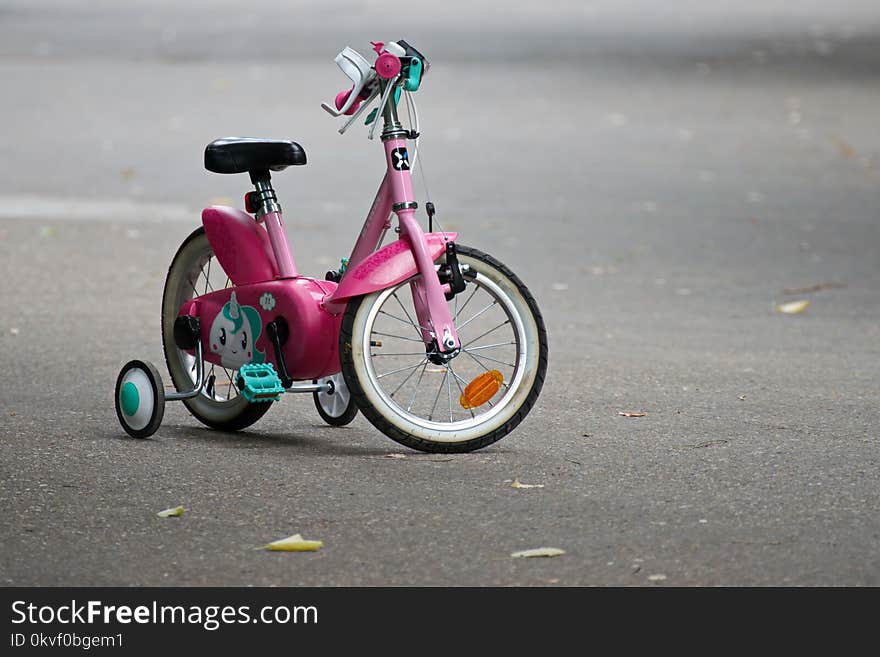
{"x":659,"y":174}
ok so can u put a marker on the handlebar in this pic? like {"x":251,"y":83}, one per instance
{"x":398,"y":63}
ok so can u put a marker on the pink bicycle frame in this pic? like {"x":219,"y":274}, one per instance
{"x":396,"y":194}
{"x":252,"y":256}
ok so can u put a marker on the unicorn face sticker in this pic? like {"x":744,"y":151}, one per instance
{"x":234,"y":335}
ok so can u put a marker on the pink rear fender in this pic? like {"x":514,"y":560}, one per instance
{"x":241,"y":245}
{"x":390,"y":265}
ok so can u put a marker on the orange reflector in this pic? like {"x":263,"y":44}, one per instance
{"x":481,"y":389}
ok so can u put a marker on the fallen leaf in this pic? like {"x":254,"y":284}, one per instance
{"x":176,"y":512}
{"x":517,"y":484}
{"x":395,"y":456}
{"x":742,"y":397}
{"x":538,"y":552}
{"x":127,"y":173}
{"x":295,"y":543}
{"x":631,"y":414}
{"x":659,"y":577}
{"x":13,"y":331}
{"x":793,"y":307}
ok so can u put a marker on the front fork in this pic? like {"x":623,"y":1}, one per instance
{"x":429,"y":294}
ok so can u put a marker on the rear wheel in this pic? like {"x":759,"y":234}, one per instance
{"x":194,"y":272}
{"x":462,"y":404}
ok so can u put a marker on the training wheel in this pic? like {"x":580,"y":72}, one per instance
{"x":336,"y":407}
{"x":140,"y":398}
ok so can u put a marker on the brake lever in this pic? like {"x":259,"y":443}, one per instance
{"x":370,"y":98}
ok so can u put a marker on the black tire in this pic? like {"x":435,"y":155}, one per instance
{"x":348,"y":413}
{"x":231,"y":415}
{"x":394,"y":431}
{"x":147,"y":383}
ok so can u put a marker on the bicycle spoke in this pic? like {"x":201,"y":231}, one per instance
{"x":483,"y":335}
{"x":458,"y":381}
{"x":461,"y":326}
{"x":405,"y":312}
{"x":489,"y":358}
{"x":490,"y":346}
{"x":193,"y":286}
{"x":449,"y":393}
{"x":208,"y":277}
{"x":402,"y":369}
{"x":418,"y":383}
{"x":399,"y":337}
{"x":464,"y":305}
{"x":400,"y":319}
{"x":228,"y":387}
{"x":402,"y":353}
{"x":437,"y":398}
{"x":408,"y":377}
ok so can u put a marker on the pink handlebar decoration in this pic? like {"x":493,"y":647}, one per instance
{"x":342,"y":97}
{"x":387,"y":65}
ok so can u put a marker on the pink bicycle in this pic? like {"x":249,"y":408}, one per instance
{"x":439,"y":345}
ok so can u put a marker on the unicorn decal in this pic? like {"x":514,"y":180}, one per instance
{"x":234,"y":335}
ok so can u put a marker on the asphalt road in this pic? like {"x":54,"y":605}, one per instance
{"x":660,"y":176}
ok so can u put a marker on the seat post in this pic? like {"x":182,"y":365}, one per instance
{"x":270,"y":213}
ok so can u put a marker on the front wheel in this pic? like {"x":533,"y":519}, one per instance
{"x":463,"y":404}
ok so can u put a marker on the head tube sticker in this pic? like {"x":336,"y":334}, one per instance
{"x":400,"y":159}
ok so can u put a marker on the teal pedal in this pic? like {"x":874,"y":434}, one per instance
{"x":259,"y":383}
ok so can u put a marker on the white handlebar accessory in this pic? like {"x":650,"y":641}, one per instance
{"x":359,"y":71}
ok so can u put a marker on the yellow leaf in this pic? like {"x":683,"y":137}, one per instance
{"x":518,"y":484}
{"x":176,"y":512}
{"x":793,"y":307}
{"x":295,"y":543}
{"x":538,"y":552}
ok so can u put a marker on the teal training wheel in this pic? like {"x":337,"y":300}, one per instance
{"x":140,"y":398}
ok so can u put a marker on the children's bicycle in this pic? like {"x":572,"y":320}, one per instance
{"x":439,"y":345}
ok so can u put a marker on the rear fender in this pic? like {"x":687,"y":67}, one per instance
{"x":240,"y":244}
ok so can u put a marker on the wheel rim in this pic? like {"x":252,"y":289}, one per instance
{"x":197,"y":272}
{"x":335,"y":402}
{"x":488,"y":317}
